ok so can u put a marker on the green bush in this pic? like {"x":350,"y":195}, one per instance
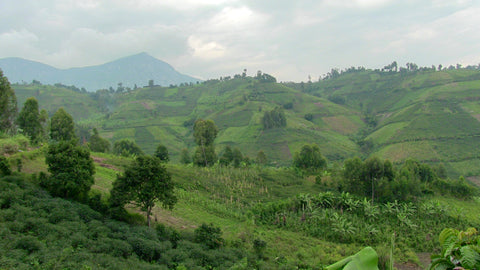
{"x":28,"y":243}
{"x":209,"y":235}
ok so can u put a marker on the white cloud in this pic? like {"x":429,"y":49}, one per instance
{"x":206,"y":50}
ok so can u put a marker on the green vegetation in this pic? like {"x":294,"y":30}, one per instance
{"x":71,"y":170}
{"x":144,"y":183}
{"x":8,"y":105}
{"x":392,"y":140}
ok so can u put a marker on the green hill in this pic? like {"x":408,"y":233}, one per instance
{"x":431,"y":116}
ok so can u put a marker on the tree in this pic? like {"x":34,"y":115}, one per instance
{"x":227,"y":156}
{"x":162,"y":153}
{"x":374,"y":171}
{"x":97,"y":143}
{"x":309,"y":158}
{"x":210,"y":235}
{"x":8,"y":105}
{"x":62,"y":127}
{"x":274,"y":118}
{"x":71,"y":170}
{"x":126,"y":148}
{"x":29,"y":120}
{"x":237,"y":157}
{"x":204,"y":132}
{"x":145,"y":182}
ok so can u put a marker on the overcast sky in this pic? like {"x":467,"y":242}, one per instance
{"x":212,"y":38}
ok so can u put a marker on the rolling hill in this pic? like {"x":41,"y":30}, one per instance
{"x":130,"y":71}
{"x":431,"y":116}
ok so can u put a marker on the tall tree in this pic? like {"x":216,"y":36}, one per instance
{"x":62,"y":127}
{"x":29,"y":120}
{"x":205,"y":132}
{"x":145,"y":182}
{"x":8,"y":105}
{"x":162,"y":153}
{"x":71,"y":170}
{"x":97,"y":143}
{"x":261,"y":158}
{"x":309,"y":158}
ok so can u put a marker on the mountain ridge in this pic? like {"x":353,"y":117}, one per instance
{"x":130,"y":71}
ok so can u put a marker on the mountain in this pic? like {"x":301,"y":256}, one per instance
{"x":130,"y":71}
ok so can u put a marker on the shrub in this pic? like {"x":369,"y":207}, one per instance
{"x":210,"y":235}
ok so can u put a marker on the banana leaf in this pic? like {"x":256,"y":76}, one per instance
{"x":365,"y":259}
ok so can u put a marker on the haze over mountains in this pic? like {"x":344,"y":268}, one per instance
{"x":130,"y":71}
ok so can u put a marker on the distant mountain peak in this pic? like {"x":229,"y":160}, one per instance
{"x":131,"y":70}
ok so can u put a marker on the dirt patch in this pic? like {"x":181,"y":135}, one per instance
{"x":101,"y":163}
{"x":144,"y":104}
{"x":476,"y":116}
{"x":165,"y":217}
{"x":318,"y":104}
{"x":475,"y":180}
{"x":423,"y":258}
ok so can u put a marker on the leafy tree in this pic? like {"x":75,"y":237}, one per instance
{"x":374,"y":171}
{"x":8,"y":105}
{"x":310,"y":158}
{"x":237,"y":157}
{"x":144,"y":183}
{"x":204,"y":132}
{"x":227,"y":156}
{"x":274,"y":118}
{"x":261,"y":158}
{"x":97,"y":143}
{"x":185,"y":156}
{"x":126,"y":148}
{"x":62,"y":127}
{"x":29,"y":119}
{"x":162,"y":153}
{"x":43,"y":118}
{"x":71,"y":169}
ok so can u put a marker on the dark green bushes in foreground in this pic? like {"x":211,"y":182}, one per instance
{"x":38,"y":231}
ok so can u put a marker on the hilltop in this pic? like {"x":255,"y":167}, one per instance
{"x":136,"y":70}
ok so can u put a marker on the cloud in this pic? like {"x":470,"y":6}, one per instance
{"x":212,"y":38}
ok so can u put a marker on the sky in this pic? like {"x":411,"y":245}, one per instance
{"x":288,"y":39}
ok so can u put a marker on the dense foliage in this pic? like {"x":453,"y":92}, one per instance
{"x":41,"y":232}
{"x":459,"y":250}
{"x":8,"y":105}
{"x":71,"y":170}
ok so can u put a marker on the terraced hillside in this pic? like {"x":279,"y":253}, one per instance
{"x":431,"y":116}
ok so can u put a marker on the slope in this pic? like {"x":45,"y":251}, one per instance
{"x":432,"y":116}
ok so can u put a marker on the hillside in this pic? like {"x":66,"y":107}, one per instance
{"x":131,"y":71}
{"x":431,"y":116}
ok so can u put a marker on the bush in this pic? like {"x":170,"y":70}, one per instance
{"x":209,"y":235}
{"x":4,"y":166}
